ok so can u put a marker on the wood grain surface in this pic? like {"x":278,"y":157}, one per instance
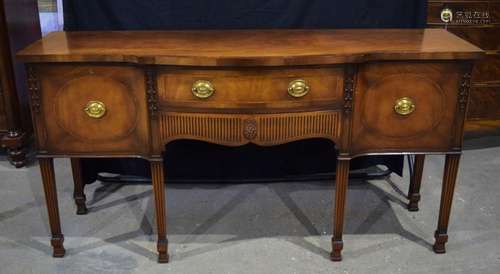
{"x":250,"y":47}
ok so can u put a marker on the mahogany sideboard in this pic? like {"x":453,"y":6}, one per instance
{"x":128,"y":94}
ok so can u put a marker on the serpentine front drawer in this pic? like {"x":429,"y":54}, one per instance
{"x":250,"y":89}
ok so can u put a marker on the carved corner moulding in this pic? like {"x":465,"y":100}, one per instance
{"x":34,"y":89}
{"x":349,"y":76}
{"x":152,"y":92}
{"x":464,"y":91}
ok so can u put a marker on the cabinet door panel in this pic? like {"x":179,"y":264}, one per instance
{"x":101,"y":109}
{"x":428,"y":91}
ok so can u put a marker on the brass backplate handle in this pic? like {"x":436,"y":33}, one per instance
{"x":95,"y":109}
{"x":298,"y":88}
{"x":404,"y":106}
{"x":447,"y":15}
{"x":203,"y":89}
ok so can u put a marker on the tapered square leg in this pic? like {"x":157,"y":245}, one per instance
{"x":49,"y":187}
{"x":338,"y":217}
{"x":158,"y":180}
{"x":79,"y":187}
{"x":415,"y":182}
{"x":448,"y":188}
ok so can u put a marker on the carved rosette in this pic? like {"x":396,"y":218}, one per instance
{"x":348,"y":89}
{"x":151,"y":92}
{"x":250,"y":129}
{"x":34,"y":89}
{"x":463,"y":93}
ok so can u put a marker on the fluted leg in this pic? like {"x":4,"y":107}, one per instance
{"x":79,"y":187}
{"x":158,"y":180}
{"x":340,"y":197}
{"x":415,"y":182}
{"x":449,"y":179}
{"x":49,"y":187}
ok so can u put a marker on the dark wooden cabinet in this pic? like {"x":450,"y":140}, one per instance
{"x":479,"y":23}
{"x":19,"y":26}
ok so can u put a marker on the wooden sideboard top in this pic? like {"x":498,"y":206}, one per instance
{"x":250,"y":47}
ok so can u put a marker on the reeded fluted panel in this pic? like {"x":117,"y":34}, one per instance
{"x":217,"y":128}
{"x":287,"y":127}
{"x":262,"y":129}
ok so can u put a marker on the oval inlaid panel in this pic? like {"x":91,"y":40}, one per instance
{"x":383,"y":120}
{"x":121,"y":109}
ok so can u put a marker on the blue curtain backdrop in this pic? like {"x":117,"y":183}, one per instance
{"x":237,"y":14}
{"x":187,"y":159}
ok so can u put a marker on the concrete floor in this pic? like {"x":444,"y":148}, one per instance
{"x":257,"y":228}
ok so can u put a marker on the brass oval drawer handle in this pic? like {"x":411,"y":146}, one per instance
{"x":404,"y":106}
{"x":447,"y":15}
{"x":203,"y":89}
{"x":95,"y":109}
{"x":298,"y":88}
